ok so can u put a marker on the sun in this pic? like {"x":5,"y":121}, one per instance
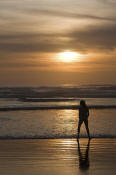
{"x":69,"y":56}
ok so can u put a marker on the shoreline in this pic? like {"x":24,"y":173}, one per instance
{"x":55,"y":138}
{"x":73,"y":107}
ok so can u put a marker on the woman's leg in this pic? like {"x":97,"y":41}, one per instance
{"x":79,"y":126}
{"x":87,"y":128}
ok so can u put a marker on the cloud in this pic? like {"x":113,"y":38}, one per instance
{"x":99,"y":38}
{"x":26,"y":43}
{"x":66,"y":14}
{"x":108,"y":2}
{"x":102,"y":38}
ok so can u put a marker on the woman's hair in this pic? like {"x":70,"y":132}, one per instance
{"x":82,"y":103}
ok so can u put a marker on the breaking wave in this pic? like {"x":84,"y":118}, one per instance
{"x":73,"y":107}
{"x":56,"y":136}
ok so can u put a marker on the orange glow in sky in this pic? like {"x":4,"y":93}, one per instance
{"x":69,"y":56}
{"x":40,"y":40}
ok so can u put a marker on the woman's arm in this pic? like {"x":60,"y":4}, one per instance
{"x":88,"y":112}
{"x":79,"y":112}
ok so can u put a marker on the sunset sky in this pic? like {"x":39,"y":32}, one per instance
{"x":35,"y":36}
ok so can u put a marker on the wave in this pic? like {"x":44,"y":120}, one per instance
{"x":82,"y":91}
{"x":59,"y":107}
{"x":48,"y":99}
{"x":57,"y":136}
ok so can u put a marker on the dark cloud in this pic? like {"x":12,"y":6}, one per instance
{"x":25,"y":46}
{"x":31,"y":43}
{"x":91,"y":38}
{"x":102,"y":37}
{"x":22,"y":64}
{"x":66,"y":14}
{"x":108,"y":2}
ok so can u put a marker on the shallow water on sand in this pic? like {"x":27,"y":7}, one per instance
{"x":55,"y":124}
{"x":57,"y":157}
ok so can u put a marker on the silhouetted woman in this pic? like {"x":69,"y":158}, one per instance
{"x":83,"y":117}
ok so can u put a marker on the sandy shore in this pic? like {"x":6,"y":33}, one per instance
{"x":57,"y":157}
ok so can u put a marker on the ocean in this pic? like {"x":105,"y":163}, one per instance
{"x":52,"y":111}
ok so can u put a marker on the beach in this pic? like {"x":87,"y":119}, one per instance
{"x":57,"y":87}
{"x":57,"y":156}
{"x":38,"y":135}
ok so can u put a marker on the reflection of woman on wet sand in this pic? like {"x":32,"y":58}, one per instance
{"x":84,"y":157}
{"x":83,"y":117}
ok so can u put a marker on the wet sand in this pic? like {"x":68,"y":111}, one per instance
{"x":58,"y":157}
